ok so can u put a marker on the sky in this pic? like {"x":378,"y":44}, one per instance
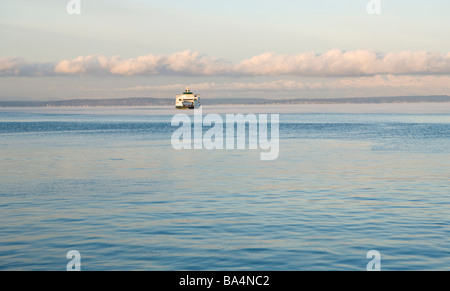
{"x":223,"y":49}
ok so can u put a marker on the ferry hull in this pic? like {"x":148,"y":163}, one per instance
{"x":184,"y":107}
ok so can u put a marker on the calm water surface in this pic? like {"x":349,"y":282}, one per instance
{"x":110,"y":185}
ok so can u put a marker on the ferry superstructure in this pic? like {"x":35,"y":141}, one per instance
{"x":187,"y":100}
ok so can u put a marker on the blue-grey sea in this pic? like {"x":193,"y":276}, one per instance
{"x":108,"y":183}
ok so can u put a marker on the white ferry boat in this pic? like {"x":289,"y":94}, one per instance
{"x":187,"y":100}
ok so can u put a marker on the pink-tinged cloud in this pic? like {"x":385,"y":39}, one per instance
{"x":181,"y":63}
{"x":334,"y":63}
{"x":10,"y":65}
{"x":19,"y":67}
{"x":337,"y":63}
{"x":285,"y":85}
{"x":430,"y":84}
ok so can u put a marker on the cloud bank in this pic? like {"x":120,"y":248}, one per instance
{"x":182,"y":63}
{"x":19,"y":67}
{"x":334,"y":63}
{"x":440,"y":83}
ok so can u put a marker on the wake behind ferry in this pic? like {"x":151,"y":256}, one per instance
{"x":187,"y":100}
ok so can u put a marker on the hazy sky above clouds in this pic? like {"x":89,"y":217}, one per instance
{"x":246,"y":48}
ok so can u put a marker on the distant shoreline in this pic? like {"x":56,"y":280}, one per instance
{"x":136,"y":102}
{"x":336,"y":108}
